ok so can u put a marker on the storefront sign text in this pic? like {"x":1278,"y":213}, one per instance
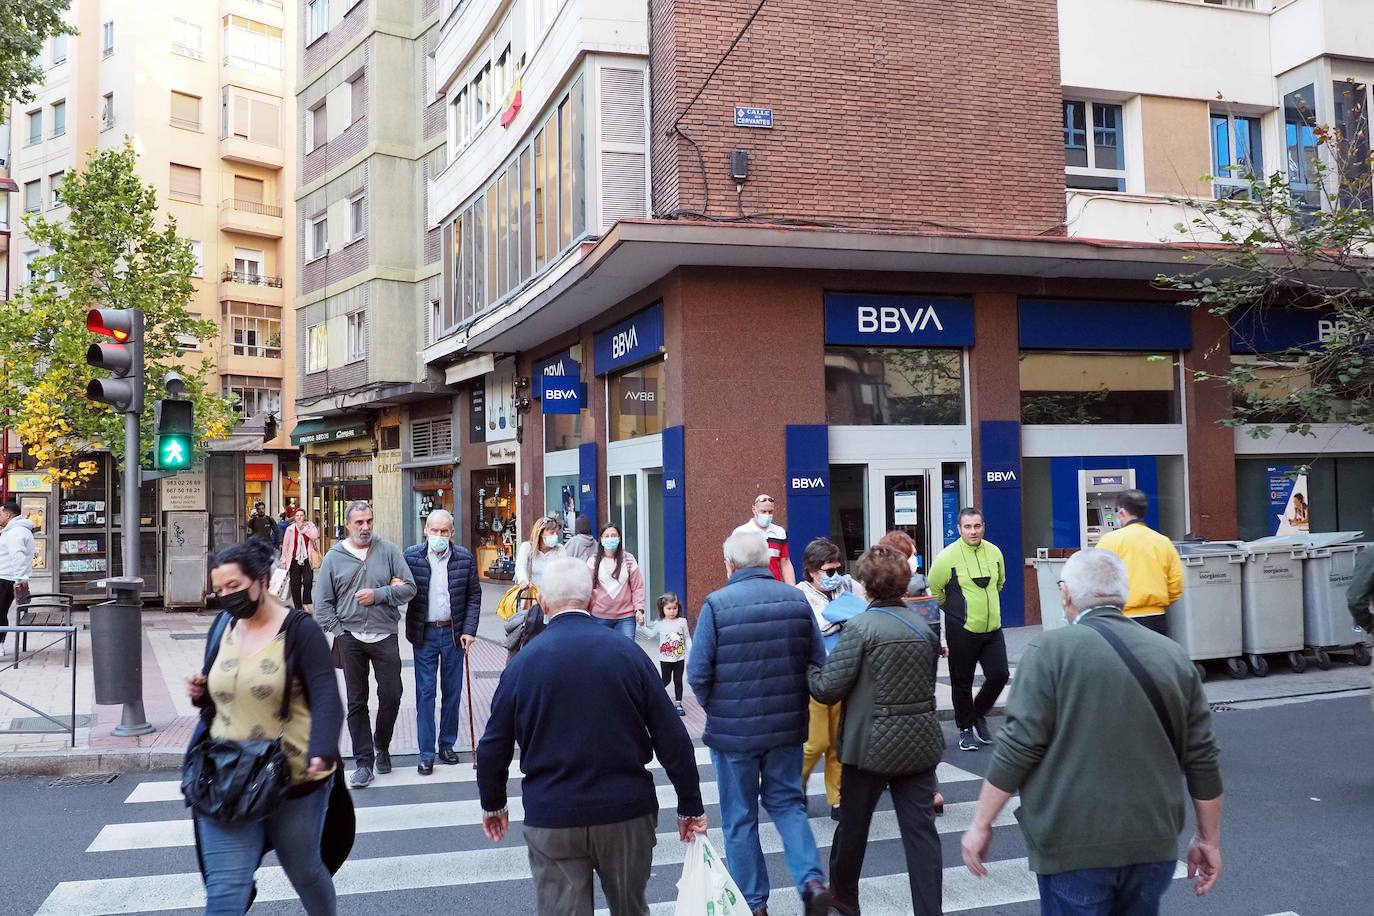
{"x":557,"y":370}
{"x":185,"y":490}
{"x":28,"y":483}
{"x":332,"y":435}
{"x":633,"y":340}
{"x":501,"y":454}
{"x":638,"y":396}
{"x":898,"y":321}
{"x":1001,"y":478}
{"x":477,"y":412}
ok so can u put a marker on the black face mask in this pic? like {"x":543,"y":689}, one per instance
{"x":982,"y":581}
{"x":240,"y":604}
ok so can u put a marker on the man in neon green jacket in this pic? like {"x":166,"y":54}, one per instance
{"x":967,"y":577}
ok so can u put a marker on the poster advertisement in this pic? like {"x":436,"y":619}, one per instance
{"x":1287,"y":499}
{"x":949,"y":507}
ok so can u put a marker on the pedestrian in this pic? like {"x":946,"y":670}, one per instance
{"x":582,"y":545}
{"x":967,"y":577}
{"x":823,"y":567}
{"x":883,"y":672}
{"x":900,"y":540}
{"x":1152,"y":563}
{"x":16,"y":560}
{"x":617,"y":585}
{"x":300,"y":554}
{"x":363,"y":583}
{"x":260,"y":525}
{"x":284,"y":521}
{"x":779,"y":564}
{"x":1357,"y":595}
{"x":590,"y":805}
{"x":288,"y":692}
{"x":755,"y":638}
{"x":1103,"y":834}
{"x":441,"y":623}
{"x":532,"y":555}
{"x":671,"y":635}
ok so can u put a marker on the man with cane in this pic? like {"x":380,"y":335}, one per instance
{"x":441,"y":623}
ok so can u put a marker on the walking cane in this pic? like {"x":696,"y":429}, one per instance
{"x":472,"y":723}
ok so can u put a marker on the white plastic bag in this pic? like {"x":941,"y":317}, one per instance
{"x":706,"y":888}
{"x":280,"y":585}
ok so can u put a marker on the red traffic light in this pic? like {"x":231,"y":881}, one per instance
{"x":116,"y":323}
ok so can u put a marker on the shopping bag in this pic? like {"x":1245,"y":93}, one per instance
{"x":706,"y":888}
{"x":280,"y":585}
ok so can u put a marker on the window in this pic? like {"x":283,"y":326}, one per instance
{"x":36,"y":127}
{"x":357,"y":98}
{"x":253,"y":329}
{"x":357,"y":336}
{"x":55,"y":189}
{"x":186,"y":111}
{"x":1099,"y":165}
{"x":889,"y":386}
{"x":59,"y":118}
{"x":249,"y":190}
{"x":186,"y":39}
{"x":319,"y":236}
{"x":637,"y":402}
{"x":431,"y":438}
{"x":107,"y":38}
{"x":317,"y":348}
{"x":33,"y":196}
{"x":1237,"y":155}
{"x":436,"y":321}
{"x":107,"y":115}
{"x":198,"y":252}
{"x":252,"y":45}
{"x":185,"y":182}
{"x":257,"y":396}
{"x":357,"y":217}
{"x":481,"y":95}
{"x":251,"y":117}
{"x":1300,"y":145}
{"x":431,"y":79}
{"x":59,"y":49}
{"x":317,"y":19}
{"x":1075,"y":387}
{"x":459,"y":129}
{"x":316,"y":127}
{"x":1351,"y":142}
{"x":247,"y":265}
{"x":188,"y":342}
{"x":30,"y":274}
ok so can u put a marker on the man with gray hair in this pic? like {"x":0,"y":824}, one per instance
{"x":441,"y":623}
{"x":1103,"y":717}
{"x":363,"y":583}
{"x":589,"y":800}
{"x":755,"y":639}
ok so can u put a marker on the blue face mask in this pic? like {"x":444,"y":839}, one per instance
{"x":438,"y":543}
{"x":610,"y":543}
{"x":832,"y":582}
{"x":765,"y":519}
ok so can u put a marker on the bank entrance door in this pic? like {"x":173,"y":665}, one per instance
{"x":636,"y":508}
{"x":869,"y":500}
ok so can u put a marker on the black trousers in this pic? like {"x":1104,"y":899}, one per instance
{"x":1159,"y":623}
{"x":302,"y":579}
{"x":385,"y":660}
{"x":966,"y":652}
{"x":672,"y":671}
{"x":6,"y":599}
{"x":913,"y":797}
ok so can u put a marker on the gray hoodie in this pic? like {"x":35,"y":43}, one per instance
{"x":336,"y":608}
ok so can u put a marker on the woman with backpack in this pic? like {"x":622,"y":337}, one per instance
{"x":270,"y":706}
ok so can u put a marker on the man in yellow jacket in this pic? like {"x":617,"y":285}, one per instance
{"x":1152,"y":564}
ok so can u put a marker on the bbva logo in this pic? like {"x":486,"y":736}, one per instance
{"x":639,"y":395}
{"x":624,"y":342}
{"x":890,"y":319}
{"x":670,"y":483}
{"x":560,"y":394}
{"x":556,"y":369}
{"x":808,"y":483}
{"x":1001,"y":477}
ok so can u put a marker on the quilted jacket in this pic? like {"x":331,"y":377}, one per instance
{"x":464,"y":592}
{"x":883,"y":670}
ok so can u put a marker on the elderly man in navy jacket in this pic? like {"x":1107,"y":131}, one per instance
{"x":754,"y":640}
{"x":589,"y":712}
{"x":441,"y":623}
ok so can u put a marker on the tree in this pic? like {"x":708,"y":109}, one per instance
{"x":25,"y":27}
{"x":1299,"y":241}
{"x":107,"y":252}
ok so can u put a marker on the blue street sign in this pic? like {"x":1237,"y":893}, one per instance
{"x":746,"y":116}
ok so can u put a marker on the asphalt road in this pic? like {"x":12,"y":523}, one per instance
{"x":1297,"y":838}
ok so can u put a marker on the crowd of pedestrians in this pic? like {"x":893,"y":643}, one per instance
{"x":840,"y":668}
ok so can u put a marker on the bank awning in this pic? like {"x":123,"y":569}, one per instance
{"x":329,"y":429}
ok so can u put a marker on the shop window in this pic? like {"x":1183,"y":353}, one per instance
{"x":637,"y":402}
{"x":562,"y":431}
{"x":560,"y":501}
{"x":887,"y":386}
{"x":1283,"y":391}
{"x":1078,"y":388}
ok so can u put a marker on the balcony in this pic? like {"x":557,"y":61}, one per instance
{"x":246,"y":286}
{"x":269,"y":12}
{"x":241,"y":149}
{"x":251,"y":218}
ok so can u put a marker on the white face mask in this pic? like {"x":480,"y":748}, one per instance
{"x":550,"y":541}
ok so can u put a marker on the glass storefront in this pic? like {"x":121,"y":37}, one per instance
{"x":884,"y":386}
{"x":1340,"y":493}
{"x":431,"y":488}
{"x":494,"y":530}
{"x":89,"y":546}
{"x":560,"y":500}
{"x":1055,"y":512}
{"x":1079,"y":387}
{"x":562,"y":431}
{"x":336,"y":482}
{"x":637,"y":402}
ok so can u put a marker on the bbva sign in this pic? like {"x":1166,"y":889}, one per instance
{"x":870,"y":319}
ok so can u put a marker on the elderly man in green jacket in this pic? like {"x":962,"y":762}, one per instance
{"x":1103,"y":718}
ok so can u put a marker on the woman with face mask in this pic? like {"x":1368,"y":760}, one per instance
{"x":268,"y":676}
{"x":545,"y":544}
{"x":617,"y":585}
{"x":823,"y":566}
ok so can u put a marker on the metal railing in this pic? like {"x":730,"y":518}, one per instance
{"x":68,"y":637}
{"x":252,"y":206}
{"x":243,"y":276}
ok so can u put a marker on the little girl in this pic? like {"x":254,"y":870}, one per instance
{"x":670,"y":632}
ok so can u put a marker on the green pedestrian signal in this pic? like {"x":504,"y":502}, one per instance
{"x":175,"y":431}
{"x":173,"y":452}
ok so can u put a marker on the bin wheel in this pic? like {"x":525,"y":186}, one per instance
{"x":1323,"y":659}
{"x":1236,"y":668}
{"x":1297,"y":661}
{"x":1201,"y":670}
{"x":1362,"y":656}
{"x":1259,"y":665}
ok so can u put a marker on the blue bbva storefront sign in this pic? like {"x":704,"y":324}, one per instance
{"x":1276,"y":330}
{"x":867,"y":319}
{"x":558,"y":382}
{"x":634,"y":340}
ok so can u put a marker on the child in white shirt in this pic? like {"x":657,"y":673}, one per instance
{"x":671,"y":635}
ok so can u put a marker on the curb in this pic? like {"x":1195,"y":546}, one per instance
{"x":86,"y":762}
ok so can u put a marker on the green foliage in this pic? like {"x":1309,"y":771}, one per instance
{"x":109,"y":251}
{"x":25,"y":27}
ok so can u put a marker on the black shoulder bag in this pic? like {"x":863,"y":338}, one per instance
{"x":1142,"y":678}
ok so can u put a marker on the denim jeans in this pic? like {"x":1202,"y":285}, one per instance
{"x":439,"y":661}
{"x":1134,"y":890}
{"x":232,"y":854}
{"x":773,"y":778}
{"x":625,"y":626}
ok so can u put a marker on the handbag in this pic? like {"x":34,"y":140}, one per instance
{"x":279,"y":586}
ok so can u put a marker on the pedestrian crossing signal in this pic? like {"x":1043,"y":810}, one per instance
{"x":173,"y":452}
{"x":175,"y":421}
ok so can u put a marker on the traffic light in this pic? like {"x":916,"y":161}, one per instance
{"x":124,"y":358}
{"x":174,"y":424}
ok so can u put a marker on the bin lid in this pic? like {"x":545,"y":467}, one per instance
{"x":1208,"y":548}
{"x":1306,"y":541}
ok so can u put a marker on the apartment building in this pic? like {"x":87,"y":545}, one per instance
{"x":202,"y":91}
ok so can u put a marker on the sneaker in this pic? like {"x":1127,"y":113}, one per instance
{"x":834,"y":812}
{"x":967,"y":741}
{"x":981,"y":730}
{"x":680,"y":710}
{"x":817,"y":899}
{"x":362,"y":778}
{"x":383,"y":762}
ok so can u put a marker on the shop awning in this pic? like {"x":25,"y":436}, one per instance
{"x":329,"y":429}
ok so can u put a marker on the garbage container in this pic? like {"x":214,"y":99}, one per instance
{"x":1206,"y":621}
{"x":1327,"y":575}
{"x":1271,"y":605}
{"x":1048,"y":572}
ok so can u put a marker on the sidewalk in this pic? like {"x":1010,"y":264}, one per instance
{"x":173,"y":643}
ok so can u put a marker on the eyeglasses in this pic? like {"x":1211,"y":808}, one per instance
{"x":831,"y":570}
{"x":763,"y":499}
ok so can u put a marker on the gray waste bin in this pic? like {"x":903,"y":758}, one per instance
{"x":1048,"y":572}
{"x":1206,"y":621}
{"x":1271,"y":605}
{"x":1328,"y":568}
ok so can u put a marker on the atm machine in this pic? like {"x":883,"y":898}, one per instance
{"x":1097,"y":491}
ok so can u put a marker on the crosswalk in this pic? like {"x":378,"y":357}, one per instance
{"x":421,"y":836}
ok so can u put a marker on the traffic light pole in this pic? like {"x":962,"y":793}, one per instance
{"x":133,"y":720}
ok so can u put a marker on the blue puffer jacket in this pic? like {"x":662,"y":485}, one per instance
{"x":753,"y":642}
{"x":464,"y":592}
